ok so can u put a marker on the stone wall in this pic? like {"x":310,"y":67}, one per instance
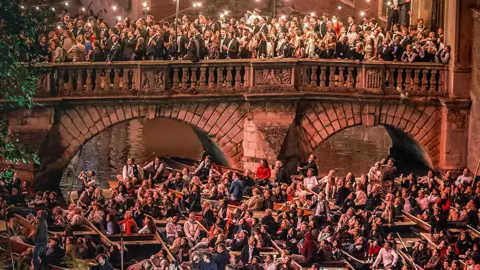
{"x":474,"y":128}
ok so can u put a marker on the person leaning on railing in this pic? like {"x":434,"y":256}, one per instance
{"x":256,"y":37}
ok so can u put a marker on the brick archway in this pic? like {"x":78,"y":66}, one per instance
{"x":222,"y":122}
{"x":422,"y":123}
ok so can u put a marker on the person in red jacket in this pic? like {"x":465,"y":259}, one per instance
{"x":263,"y":173}
{"x":307,"y":250}
{"x":129,"y":224}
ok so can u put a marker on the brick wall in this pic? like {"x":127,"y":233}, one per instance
{"x":474,"y":129}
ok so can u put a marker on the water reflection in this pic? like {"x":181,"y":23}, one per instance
{"x":354,"y":150}
{"x":106,"y":153}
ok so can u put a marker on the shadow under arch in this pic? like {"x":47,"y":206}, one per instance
{"x":414,"y":128}
{"x":74,"y":126}
{"x":355,"y":149}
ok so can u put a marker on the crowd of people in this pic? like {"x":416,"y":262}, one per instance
{"x":229,"y":217}
{"x":82,"y":38}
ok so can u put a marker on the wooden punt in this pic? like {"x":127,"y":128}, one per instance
{"x":420,"y":223}
{"x":16,"y":248}
{"x":19,"y":246}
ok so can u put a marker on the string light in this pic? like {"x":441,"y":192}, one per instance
{"x":148,"y":8}
{"x":83,"y":9}
{"x":66,"y":4}
{"x":368,"y":1}
{"x":22,"y":7}
{"x":144,"y":4}
{"x":222,"y":15}
{"x":389,"y":3}
{"x":312,"y":14}
{"x":226,"y":12}
{"x":119,"y":18}
{"x":37,"y":8}
{"x":339,"y":7}
{"x":58,"y":26}
{"x":53,"y":9}
{"x":362,"y":14}
{"x":114,"y":7}
{"x":283,"y":17}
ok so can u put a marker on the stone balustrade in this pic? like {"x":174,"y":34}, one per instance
{"x":241,"y":76}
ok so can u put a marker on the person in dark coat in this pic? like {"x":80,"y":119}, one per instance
{"x":207,"y":263}
{"x":233,"y":46}
{"x":342,"y":49}
{"x":40,"y":237}
{"x":129,"y":45}
{"x":309,"y":164}
{"x":103,"y":264}
{"x":115,"y":53}
{"x":282,"y":176}
{"x":54,"y":254}
{"x":249,"y":251}
{"x":96,"y":55}
{"x":437,"y":222}
{"x":221,"y":257}
{"x":192,"y":50}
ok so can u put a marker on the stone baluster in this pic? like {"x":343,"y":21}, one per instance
{"x":441,"y":80}
{"x":229,"y":76}
{"x":107,"y":80}
{"x":203,"y":77}
{"x":211,"y":77}
{"x":246,"y":78}
{"x":176,"y":79}
{"x":313,"y":77}
{"x":88,"y":82}
{"x":349,"y":77}
{"x":98,"y":80}
{"x":357,"y":79}
{"x":433,"y":82}
{"x":125,"y":77}
{"x":116,"y":79}
{"x":424,"y":80}
{"x":331,"y":83}
{"x":323,"y":76}
{"x":79,"y":82}
{"x":408,"y":79}
{"x":238,"y":77}
{"x":193,"y":79}
{"x":305,"y":78}
{"x":70,"y":82}
{"x":341,"y":78}
{"x":61,"y":82}
{"x":416,"y":80}
{"x":391,"y":78}
{"x":184,"y":77}
{"x":220,"y":81}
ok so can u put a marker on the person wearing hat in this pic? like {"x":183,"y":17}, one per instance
{"x":54,"y":254}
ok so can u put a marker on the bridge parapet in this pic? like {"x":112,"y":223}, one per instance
{"x":242,"y":76}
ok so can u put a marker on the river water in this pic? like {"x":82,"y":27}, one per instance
{"x":108,"y":151}
{"x":353,"y":150}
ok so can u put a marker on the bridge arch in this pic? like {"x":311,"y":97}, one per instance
{"x":75,"y":125}
{"x":421,"y":123}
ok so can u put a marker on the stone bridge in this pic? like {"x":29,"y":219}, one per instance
{"x":252,"y":109}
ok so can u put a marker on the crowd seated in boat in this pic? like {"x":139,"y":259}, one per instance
{"x":209,"y":217}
